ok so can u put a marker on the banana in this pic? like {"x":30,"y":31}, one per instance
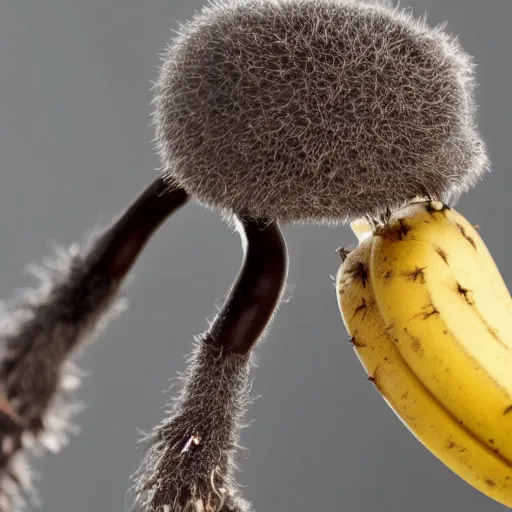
{"x":450,"y":330}
{"x":486,"y":261}
{"x":427,"y":311}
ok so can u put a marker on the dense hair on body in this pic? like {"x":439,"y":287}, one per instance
{"x":316,"y":110}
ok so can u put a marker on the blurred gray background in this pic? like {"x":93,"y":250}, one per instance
{"x":75,"y":148}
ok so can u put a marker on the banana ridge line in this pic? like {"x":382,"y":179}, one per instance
{"x":456,"y":342}
{"x":420,"y":273}
{"x":373,"y":378}
{"x":464,"y":291}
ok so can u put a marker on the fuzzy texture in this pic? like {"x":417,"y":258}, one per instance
{"x":189,"y":465}
{"x":39,"y":331}
{"x":316,"y":110}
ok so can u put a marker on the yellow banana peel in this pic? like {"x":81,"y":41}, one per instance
{"x":430,"y":319}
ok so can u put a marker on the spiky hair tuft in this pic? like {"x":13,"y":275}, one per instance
{"x":40,"y":331}
{"x":189,"y":465}
{"x":316,"y":110}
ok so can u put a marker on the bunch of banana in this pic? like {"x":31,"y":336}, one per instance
{"x":430,"y":319}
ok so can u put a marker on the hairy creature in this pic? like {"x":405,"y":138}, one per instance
{"x":308,"y":110}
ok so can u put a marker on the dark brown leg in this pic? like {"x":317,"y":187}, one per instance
{"x":189,"y":466}
{"x":118,"y":249}
{"x":254,"y":295}
{"x":79,"y":291}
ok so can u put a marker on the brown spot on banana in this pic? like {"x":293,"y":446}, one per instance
{"x":343,"y":253}
{"x":494,"y":333}
{"x":415,"y":343}
{"x":403,"y":230}
{"x":431,"y":311}
{"x":451,"y":445}
{"x":394,"y":232}
{"x":428,"y":311}
{"x":443,"y":254}
{"x":467,"y":294}
{"x":363,"y":307}
{"x":356,"y":343}
{"x":414,"y":275}
{"x":466,"y":236}
{"x":374,"y":379}
{"x":359,"y":272}
{"x":507,"y":410}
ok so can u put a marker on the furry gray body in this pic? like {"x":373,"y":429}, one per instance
{"x":303,"y":110}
